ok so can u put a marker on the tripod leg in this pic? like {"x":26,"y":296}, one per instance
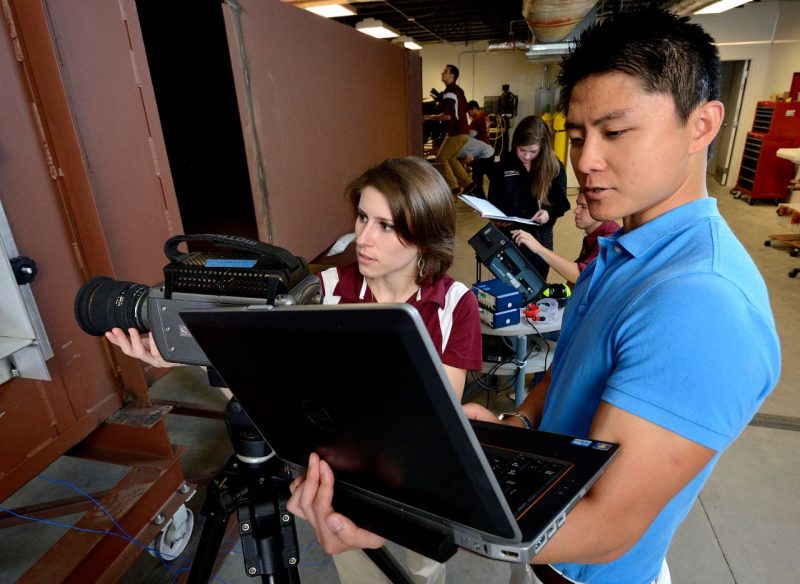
{"x":269,"y":542}
{"x":217,"y":514}
{"x":389,"y":565}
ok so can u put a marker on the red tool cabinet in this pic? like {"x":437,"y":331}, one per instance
{"x":762,"y":175}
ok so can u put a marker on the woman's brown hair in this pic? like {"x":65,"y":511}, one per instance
{"x":531,"y":131}
{"x":422,"y":209}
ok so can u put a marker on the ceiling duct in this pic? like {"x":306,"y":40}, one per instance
{"x":552,"y":21}
{"x":498,"y":46}
{"x":552,"y":51}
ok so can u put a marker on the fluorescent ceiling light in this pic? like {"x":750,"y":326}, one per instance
{"x":721,"y":6}
{"x":407,"y":42}
{"x":375,"y":28}
{"x":543,"y":51}
{"x":332,"y":10}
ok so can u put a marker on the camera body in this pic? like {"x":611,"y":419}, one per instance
{"x":253,"y":274}
{"x":171,"y":336}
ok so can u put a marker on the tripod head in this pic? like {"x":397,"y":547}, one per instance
{"x":249,"y":445}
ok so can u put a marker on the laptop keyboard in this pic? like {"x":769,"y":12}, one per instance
{"x":523,"y":478}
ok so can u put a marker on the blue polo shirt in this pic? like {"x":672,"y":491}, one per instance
{"x":671,"y":323}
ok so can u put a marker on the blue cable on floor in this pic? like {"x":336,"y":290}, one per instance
{"x":124,"y":535}
{"x":129,"y":538}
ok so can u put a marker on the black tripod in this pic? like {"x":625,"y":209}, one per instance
{"x":255,"y":484}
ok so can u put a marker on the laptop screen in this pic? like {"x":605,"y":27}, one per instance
{"x":363,"y":387}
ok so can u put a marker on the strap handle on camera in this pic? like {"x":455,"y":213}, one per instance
{"x":273,"y":252}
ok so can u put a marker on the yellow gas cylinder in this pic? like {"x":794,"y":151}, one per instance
{"x":547,"y":118}
{"x":560,"y":139}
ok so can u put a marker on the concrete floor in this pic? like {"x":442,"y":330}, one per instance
{"x":743,"y":529}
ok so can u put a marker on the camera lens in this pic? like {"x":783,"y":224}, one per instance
{"x":102,"y":304}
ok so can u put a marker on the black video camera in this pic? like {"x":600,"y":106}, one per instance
{"x":248,"y":273}
{"x":433,"y":130}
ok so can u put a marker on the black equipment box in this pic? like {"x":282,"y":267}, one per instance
{"x":251,"y":270}
{"x":497,"y":252}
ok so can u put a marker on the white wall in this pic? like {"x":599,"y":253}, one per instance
{"x":766,"y":33}
{"x":785,"y":57}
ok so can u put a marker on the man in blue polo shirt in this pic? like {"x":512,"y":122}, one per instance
{"x":650,"y":349}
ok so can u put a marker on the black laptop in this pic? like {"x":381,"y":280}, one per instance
{"x":362,"y":385}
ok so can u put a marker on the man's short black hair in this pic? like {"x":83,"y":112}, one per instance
{"x":472,"y":104}
{"x":454,"y":71}
{"x":664,"y":51}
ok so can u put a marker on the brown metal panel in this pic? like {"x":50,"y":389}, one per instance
{"x":38,"y":80}
{"x":413,"y":102}
{"x":31,"y":205}
{"x":37,"y":76}
{"x":102,"y":138}
{"x":327,"y":102}
{"x":84,"y":194}
{"x":106,"y":78}
{"x":40,"y":420}
{"x":59,"y":189}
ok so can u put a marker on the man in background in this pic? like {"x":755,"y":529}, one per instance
{"x":479,"y":122}
{"x":454,"y":112}
{"x":478,"y":151}
{"x":507,"y":105}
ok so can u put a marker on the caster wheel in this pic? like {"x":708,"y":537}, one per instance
{"x":793,"y":274}
{"x":794,"y":253}
{"x":751,"y":202}
{"x":172,"y":539}
{"x":768,"y":243}
{"x":736,"y":194}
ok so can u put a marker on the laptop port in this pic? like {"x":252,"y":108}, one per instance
{"x":539,"y":543}
{"x":551,"y":531}
{"x":509,"y":554}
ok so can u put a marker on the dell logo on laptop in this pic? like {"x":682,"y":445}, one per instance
{"x":317,"y":415}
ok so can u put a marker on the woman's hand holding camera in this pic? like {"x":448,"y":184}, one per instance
{"x":134,"y":345}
